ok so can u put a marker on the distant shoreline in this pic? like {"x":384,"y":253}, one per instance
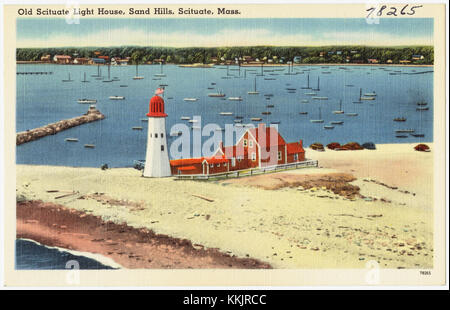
{"x":23,"y":62}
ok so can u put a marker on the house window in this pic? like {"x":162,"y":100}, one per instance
{"x":250,"y":143}
{"x":279,"y":155}
{"x":162,"y":135}
{"x":156,"y":135}
{"x":296,"y":157}
{"x":162,"y":148}
{"x":253,"y":156}
{"x":225,"y":164}
{"x":245,"y":142}
{"x":212,"y":165}
{"x":233,"y":162}
{"x":218,"y":165}
{"x":239,"y":158}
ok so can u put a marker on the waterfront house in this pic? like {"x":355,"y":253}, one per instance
{"x":321,"y":54}
{"x":97,"y":61}
{"x":338,"y":52}
{"x":81,"y":61}
{"x":417,"y":57}
{"x":257,"y":148}
{"x":297,"y":59}
{"x":389,"y":61}
{"x":62,"y":59}
{"x":372,"y":61}
{"x":46,"y":58}
{"x":405,"y":61}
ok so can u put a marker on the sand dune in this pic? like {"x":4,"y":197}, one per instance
{"x":289,"y":227}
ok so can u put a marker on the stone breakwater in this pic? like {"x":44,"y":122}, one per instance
{"x":91,"y":115}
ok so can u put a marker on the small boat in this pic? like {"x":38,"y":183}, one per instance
{"x":304,"y":101}
{"x":269,"y":79}
{"x":367,"y":98}
{"x":116,"y":97}
{"x":161,"y":74}
{"x":311,"y":94}
{"x":340,"y":111}
{"x":318,"y":85}
{"x":320,"y":98}
{"x":109,"y":74}
{"x":213,"y":83}
{"x":193,"y":121}
{"x":123,"y":85}
{"x":291,"y":89}
{"x":422,"y":103}
{"x":226,"y":113}
{"x":349,"y":85}
{"x":275,"y":122}
{"x":270,"y":106}
{"x":190,"y":99}
{"x":84,"y":80}
{"x":219,"y":94}
{"x":238,"y":117}
{"x":89,"y":146}
{"x":337,"y":122}
{"x":328,"y":127}
{"x":137,"y":76}
{"x":238,"y":121}
{"x":71,"y":139}
{"x":400,"y":119}
{"x":68,"y":80}
{"x":401,"y":136}
{"x":351,"y":114}
{"x":372,"y":94}
{"x":235,"y":98}
{"x":417,"y":135}
{"x":266,"y":113}
{"x":307,"y":85}
{"x":254,"y":92}
{"x":210,"y":87}
{"x":404,"y":130}
{"x":256,"y":119}
{"x":185,"y":118}
{"x":422,"y":109}
{"x":319,"y":120}
{"x":360,"y":95}
{"x":87,"y":101}
{"x":303,"y":113}
{"x":268,"y":95}
{"x":136,"y":128}
{"x":144,"y":119}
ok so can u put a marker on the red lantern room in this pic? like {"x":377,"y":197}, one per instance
{"x":156,"y":107}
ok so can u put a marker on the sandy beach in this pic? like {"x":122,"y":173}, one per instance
{"x":358,"y":206}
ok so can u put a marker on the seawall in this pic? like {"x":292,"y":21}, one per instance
{"x":91,"y":115}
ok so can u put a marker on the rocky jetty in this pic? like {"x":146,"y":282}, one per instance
{"x":91,"y":115}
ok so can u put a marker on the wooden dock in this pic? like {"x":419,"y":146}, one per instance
{"x":91,"y":115}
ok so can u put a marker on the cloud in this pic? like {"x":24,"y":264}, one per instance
{"x":224,"y":37}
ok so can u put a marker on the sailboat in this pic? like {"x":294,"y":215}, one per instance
{"x":137,"y":77}
{"x":320,"y":120}
{"x":161,"y":74}
{"x":307,"y":85}
{"x":254,"y":92}
{"x":366,"y":97}
{"x":218,"y":94}
{"x":318,"y":85}
{"x":98,"y":72}
{"x":340,"y":111}
{"x":68,"y":80}
{"x":360,"y":95}
{"x":418,"y":134}
{"x":84,"y":80}
{"x":109,"y":75}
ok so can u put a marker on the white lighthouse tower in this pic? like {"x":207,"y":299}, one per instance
{"x":157,"y":159}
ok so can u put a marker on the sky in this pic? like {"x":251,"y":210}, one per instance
{"x":183,"y":32}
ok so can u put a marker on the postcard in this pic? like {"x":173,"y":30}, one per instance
{"x":263,"y":145}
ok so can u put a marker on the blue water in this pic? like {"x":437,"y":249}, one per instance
{"x":42,"y":99}
{"x":33,"y":256}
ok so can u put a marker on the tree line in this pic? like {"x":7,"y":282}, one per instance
{"x":189,"y":55}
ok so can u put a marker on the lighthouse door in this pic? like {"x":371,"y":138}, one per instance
{"x":205,"y":168}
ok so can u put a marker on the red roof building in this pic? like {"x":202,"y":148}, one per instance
{"x":257,"y":148}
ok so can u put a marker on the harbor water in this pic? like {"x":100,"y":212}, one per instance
{"x":43,"y":99}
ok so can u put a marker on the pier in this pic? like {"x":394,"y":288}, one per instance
{"x":91,"y":115}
